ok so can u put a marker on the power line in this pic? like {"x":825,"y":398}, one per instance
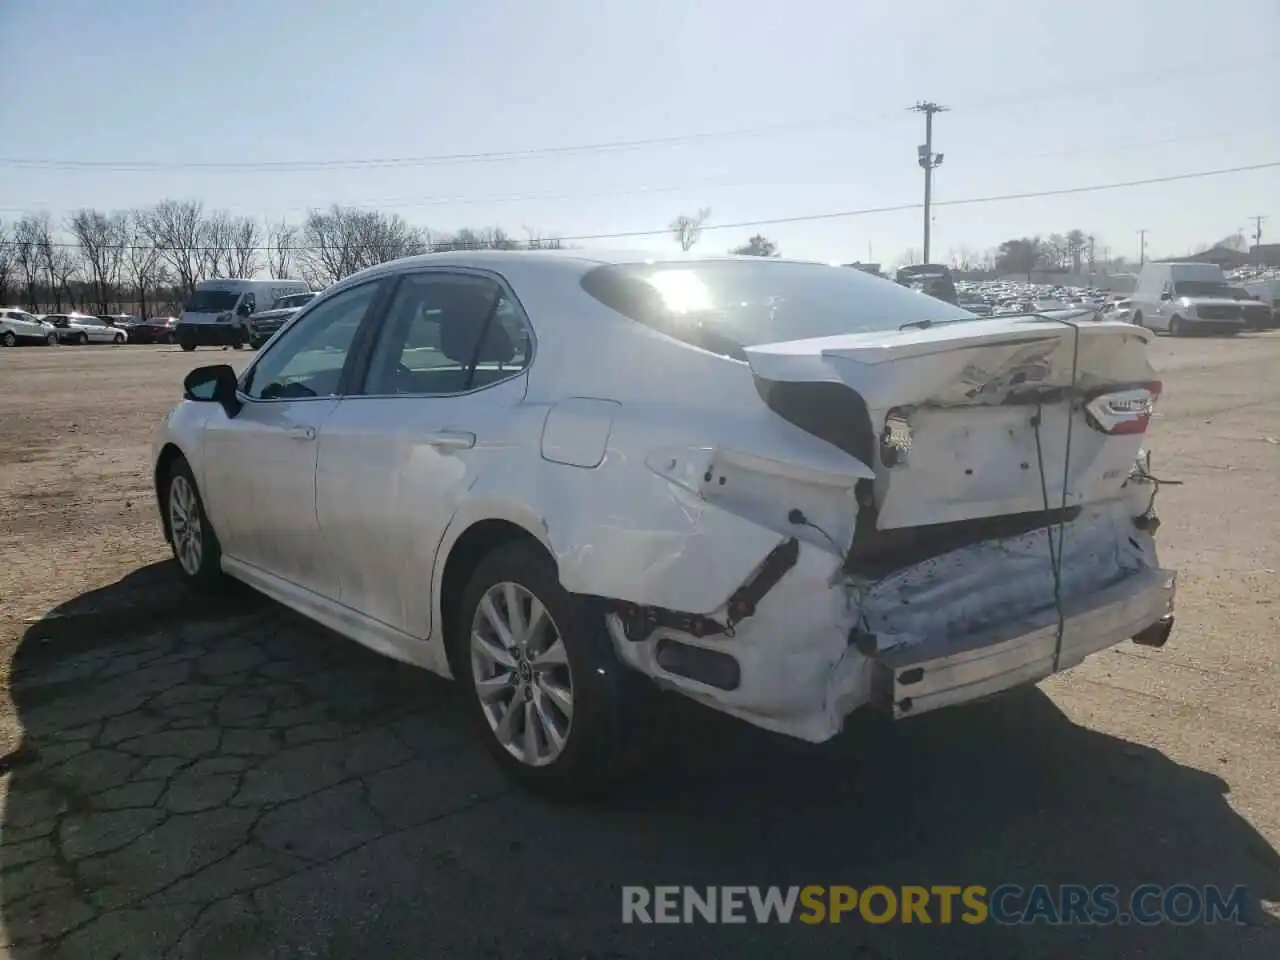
{"x":1060,"y":91}
{"x":710,"y":183}
{"x":801,"y":218}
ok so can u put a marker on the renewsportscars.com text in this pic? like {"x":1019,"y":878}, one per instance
{"x":1067,"y":904}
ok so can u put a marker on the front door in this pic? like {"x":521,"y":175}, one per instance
{"x":261,"y":464}
{"x":445,"y":377}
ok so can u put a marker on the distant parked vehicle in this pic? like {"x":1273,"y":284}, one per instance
{"x":1257,"y":315}
{"x":1180,"y":298}
{"x":17,"y":326}
{"x":935,"y":279}
{"x":153,"y":330}
{"x":262,"y":326}
{"x":80,"y":328}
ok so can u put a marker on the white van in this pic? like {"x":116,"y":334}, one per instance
{"x":1181,"y":297}
{"x":218,"y":310}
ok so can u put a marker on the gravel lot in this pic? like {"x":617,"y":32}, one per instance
{"x":189,"y":781}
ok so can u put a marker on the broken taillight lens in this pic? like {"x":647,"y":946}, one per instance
{"x":1124,"y":412}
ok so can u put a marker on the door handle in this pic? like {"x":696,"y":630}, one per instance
{"x":450,"y":440}
{"x":302,"y":433}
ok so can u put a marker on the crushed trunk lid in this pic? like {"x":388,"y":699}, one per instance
{"x":970,"y":420}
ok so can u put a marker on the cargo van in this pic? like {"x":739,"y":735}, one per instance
{"x":217,"y":313}
{"x":1179,"y":298}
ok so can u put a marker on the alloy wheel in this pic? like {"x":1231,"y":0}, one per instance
{"x":521,"y":673}
{"x":184,"y":525}
{"x":9,"y":339}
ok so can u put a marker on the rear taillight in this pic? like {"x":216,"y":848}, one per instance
{"x":1124,"y":412}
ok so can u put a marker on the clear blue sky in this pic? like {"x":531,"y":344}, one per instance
{"x":1044,"y":95}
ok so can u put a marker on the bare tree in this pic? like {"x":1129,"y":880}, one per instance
{"x":342,"y":240}
{"x":688,"y":230}
{"x":26,"y":254}
{"x":8,"y":261}
{"x":41,"y":232}
{"x":102,"y":240}
{"x":537,"y":241}
{"x":757,"y":246}
{"x":216,"y":244}
{"x":145,"y":269}
{"x":280,"y":242}
{"x":63,"y":266}
{"x":243,"y":259}
{"x":175,"y":229}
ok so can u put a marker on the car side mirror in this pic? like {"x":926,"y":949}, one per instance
{"x":243,"y":310}
{"x":1166,"y":295}
{"x":213,"y":384}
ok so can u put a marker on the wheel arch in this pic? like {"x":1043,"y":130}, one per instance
{"x":169,"y":453}
{"x":468,"y":541}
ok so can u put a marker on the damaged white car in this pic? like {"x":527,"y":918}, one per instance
{"x":787,"y":490}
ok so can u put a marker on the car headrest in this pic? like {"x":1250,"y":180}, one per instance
{"x":459,"y":330}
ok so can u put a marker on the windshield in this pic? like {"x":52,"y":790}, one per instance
{"x":211,"y":301}
{"x":1201,"y":288}
{"x":725,"y":305}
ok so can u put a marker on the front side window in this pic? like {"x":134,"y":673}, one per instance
{"x":726,"y":305}
{"x":308,"y":359}
{"x":447,"y":334}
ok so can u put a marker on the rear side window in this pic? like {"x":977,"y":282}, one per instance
{"x":725,"y":305}
{"x":447,"y":334}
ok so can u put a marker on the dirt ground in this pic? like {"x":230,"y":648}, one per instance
{"x":188,"y":781}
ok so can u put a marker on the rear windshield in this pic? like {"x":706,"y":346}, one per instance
{"x":211,"y":301}
{"x":725,"y":305}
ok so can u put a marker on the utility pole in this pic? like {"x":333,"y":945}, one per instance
{"x":1142,"y":247}
{"x":1091,"y":260}
{"x":928,"y":160}
{"x":1257,"y":234}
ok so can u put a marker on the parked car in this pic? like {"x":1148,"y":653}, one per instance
{"x":264,"y":324}
{"x":80,"y":328}
{"x":786,"y":490}
{"x":153,"y":330}
{"x":18,"y":326}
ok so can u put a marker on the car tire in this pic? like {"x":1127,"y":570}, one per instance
{"x":82,"y":339}
{"x":51,"y":340}
{"x":118,"y":339}
{"x":1137,"y":319}
{"x":191,"y":536}
{"x":1177,"y":327}
{"x":168,"y":338}
{"x":567,"y":682}
{"x":9,"y":339}
{"x":188,"y":347}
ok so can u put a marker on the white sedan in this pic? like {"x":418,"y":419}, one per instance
{"x":81,"y":328}
{"x":787,"y":490}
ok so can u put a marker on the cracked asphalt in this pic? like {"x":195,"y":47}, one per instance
{"x":224,"y":779}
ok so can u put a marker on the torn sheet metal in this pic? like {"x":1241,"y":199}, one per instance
{"x":801,"y":674}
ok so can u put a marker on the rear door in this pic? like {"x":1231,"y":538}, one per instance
{"x":443,"y":380}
